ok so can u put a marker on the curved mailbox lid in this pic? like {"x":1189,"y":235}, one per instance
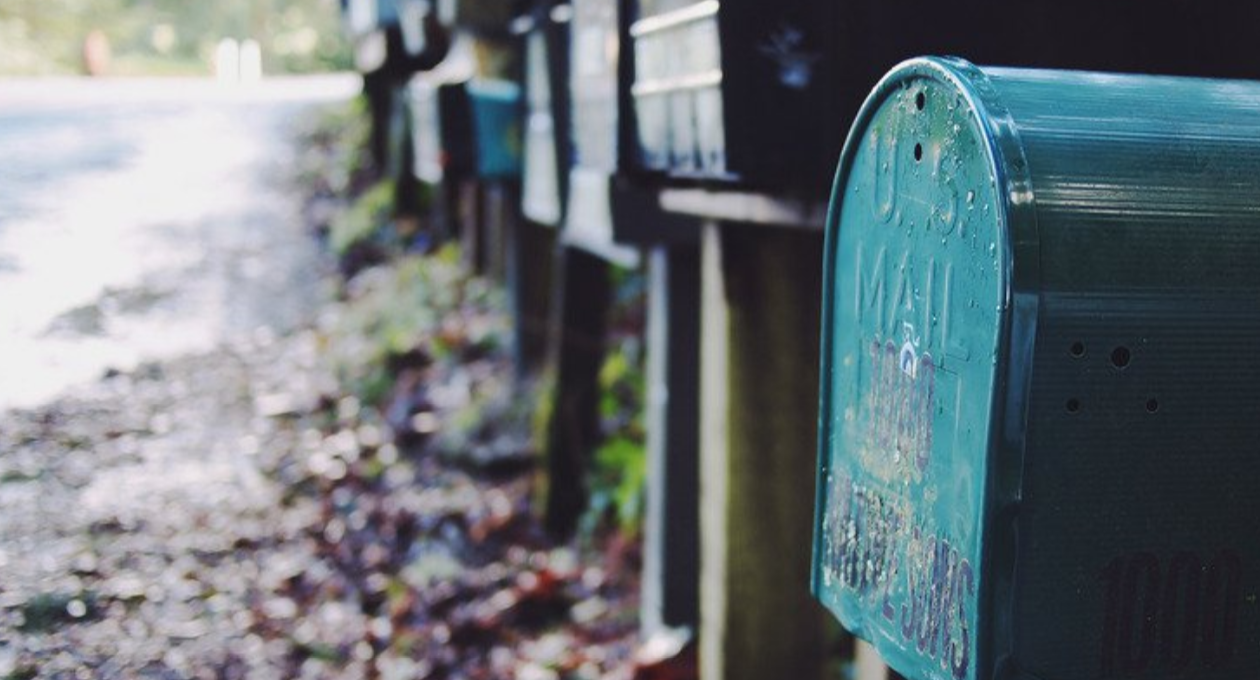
{"x":496,"y":127}
{"x":915,"y":315}
{"x":1009,"y":210}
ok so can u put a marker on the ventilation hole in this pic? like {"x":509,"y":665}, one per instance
{"x":1077,"y":349}
{"x":1121,"y":356}
{"x":1073,"y":405}
{"x":919,"y":101}
{"x":918,"y":152}
{"x":1152,"y":405}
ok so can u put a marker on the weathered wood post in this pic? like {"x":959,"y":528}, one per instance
{"x":531,"y":270}
{"x":760,"y":296}
{"x":760,"y":346}
{"x":544,"y":178}
{"x":603,"y":214}
{"x":750,"y":110}
{"x":582,"y":302}
{"x":671,"y":568}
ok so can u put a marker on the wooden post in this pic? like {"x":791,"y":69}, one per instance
{"x":378,"y":89}
{"x":469,"y":219}
{"x":671,"y":568}
{"x":579,"y":327}
{"x":496,"y":227}
{"x":531,"y":250}
{"x":447,"y":210}
{"x":759,"y":410}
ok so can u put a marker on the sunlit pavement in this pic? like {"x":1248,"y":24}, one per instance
{"x":155,"y":273}
{"x":143,"y":219}
{"x":201,"y":499}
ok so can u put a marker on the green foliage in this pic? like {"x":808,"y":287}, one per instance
{"x":622,"y":465}
{"x":421,"y":302}
{"x":622,"y":384}
{"x":620,"y":474}
{"x":333,"y":160}
{"x":23,"y":672}
{"x":366,"y":220}
{"x":47,"y":611}
{"x":154,"y":37}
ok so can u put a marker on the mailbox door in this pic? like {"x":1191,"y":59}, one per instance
{"x":497,"y":128}
{"x":913,"y":336}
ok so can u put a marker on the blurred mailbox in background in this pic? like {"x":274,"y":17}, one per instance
{"x":745,"y":94}
{"x":605,"y":213}
{"x":546,"y":135}
{"x":1040,"y":376}
{"x":429,"y":162}
{"x":477,"y":130}
{"x":736,"y":91}
{"x":497,"y":127}
{"x":399,"y":34}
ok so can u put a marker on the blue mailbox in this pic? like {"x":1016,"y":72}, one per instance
{"x":465,"y":129}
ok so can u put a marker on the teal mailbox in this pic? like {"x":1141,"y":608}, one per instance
{"x":1040,"y":409}
{"x":496,"y":109}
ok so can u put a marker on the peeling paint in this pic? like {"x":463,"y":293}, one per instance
{"x":917,"y":581}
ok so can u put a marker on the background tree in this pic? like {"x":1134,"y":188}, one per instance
{"x":154,"y":37}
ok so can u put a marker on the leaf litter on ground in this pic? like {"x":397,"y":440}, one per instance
{"x":330,"y":531}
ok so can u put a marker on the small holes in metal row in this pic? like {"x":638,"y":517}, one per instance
{"x":1121,"y":356}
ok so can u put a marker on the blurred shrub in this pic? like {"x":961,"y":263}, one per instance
{"x":332,"y":143}
{"x":366,"y":222}
{"x":421,"y":303}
